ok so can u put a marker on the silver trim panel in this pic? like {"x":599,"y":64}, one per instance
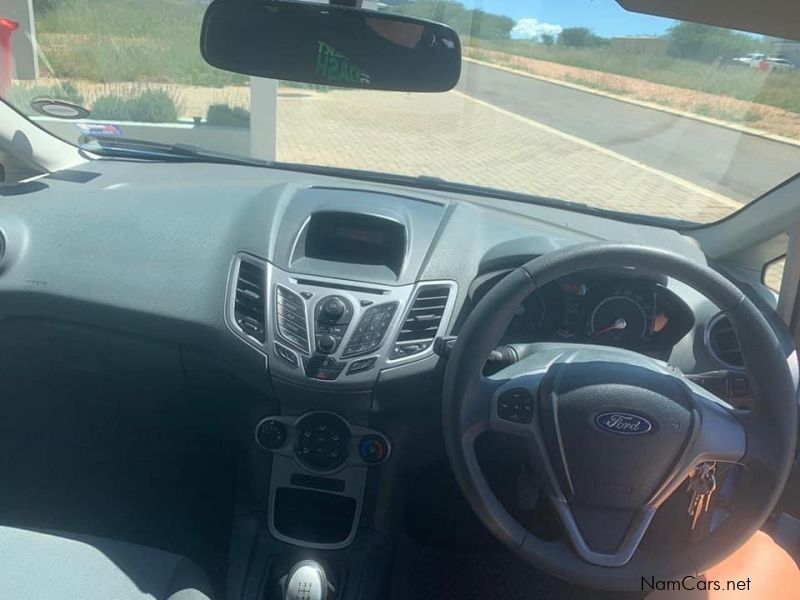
{"x":230,"y":302}
{"x":441,"y":330}
{"x":362,"y":295}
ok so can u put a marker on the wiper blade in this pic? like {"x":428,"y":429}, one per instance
{"x":122,"y":147}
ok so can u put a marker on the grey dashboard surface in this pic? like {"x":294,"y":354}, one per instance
{"x":148,"y":247}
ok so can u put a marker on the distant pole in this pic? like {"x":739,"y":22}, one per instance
{"x":26,"y":60}
{"x":263,"y":117}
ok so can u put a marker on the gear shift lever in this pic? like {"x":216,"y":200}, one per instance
{"x":306,"y":580}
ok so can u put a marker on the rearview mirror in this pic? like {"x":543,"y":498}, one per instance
{"x":330,"y":45}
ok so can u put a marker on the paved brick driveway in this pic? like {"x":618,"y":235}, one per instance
{"x":455,"y":137}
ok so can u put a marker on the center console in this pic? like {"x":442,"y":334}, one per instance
{"x":341,"y":300}
{"x":337,"y":302}
{"x":319,"y":472}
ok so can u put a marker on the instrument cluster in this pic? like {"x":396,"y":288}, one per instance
{"x":628,"y":312}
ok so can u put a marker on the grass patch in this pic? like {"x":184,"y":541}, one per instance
{"x":716,"y":112}
{"x":779,"y":89}
{"x":128,"y":40}
{"x":600,"y":83}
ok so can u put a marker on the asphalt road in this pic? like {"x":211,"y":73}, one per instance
{"x":737,"y":165}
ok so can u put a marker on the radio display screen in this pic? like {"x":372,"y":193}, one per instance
{"x":356,"y":239}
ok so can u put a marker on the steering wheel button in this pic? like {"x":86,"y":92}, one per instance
{"x":515,"y":405}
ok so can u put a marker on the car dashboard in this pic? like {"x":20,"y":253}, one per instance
{"x":324,"y":295}
{"x":336,"y":284}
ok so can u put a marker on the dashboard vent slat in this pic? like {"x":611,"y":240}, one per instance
{"x":248,"y":308}
{"x":290,"y":318}
{"x":723,"y":342}
{"x":423,"y":320}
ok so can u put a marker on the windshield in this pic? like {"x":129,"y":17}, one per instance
{"x":571,"y":99}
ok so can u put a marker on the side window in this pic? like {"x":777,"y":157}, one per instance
{"x":773,"y":274}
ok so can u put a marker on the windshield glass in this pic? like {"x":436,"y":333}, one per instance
{"x":571,"y":99}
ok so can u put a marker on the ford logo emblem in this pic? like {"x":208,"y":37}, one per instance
{"x":623,"y":423}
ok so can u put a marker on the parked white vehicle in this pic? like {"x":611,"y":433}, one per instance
{"x":751,"y":60}
{"x":780,"y":64}
{"x":756,"y":60}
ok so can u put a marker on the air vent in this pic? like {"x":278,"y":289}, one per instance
{"x":723,"y":343}
{"x":422,"y":321}
{"x":248,"y":310}
{"x":290,"y":318}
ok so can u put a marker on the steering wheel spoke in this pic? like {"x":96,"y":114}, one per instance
{"x":604,"y":537}
{"x":719,"y":435}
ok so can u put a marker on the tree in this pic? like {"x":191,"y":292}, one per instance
{"x":706,"y":43}
{"x":580,"y":37}
{"x":547,"y":39}
{"x":476,"y":23}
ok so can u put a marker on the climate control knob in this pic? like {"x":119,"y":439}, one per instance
{"x":326,"y":344}
{"x":322,"y":441}
{"x":271,"y":434}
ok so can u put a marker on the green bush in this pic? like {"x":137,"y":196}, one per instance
{"x":694,"y":41}
{"x":228,"y":116}
{"x":581,"y":37}
{"x":150,"y":106}
{"x":21,"y":97}
{"x":111,"y":108}
{"x":466,"y":21}
{"x":154,"y":106}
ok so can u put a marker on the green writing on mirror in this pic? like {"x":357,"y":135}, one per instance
{"x":335,"y":67}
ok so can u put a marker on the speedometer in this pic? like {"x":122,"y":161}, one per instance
{"x":619,"y":320}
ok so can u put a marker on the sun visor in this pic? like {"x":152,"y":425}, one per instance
{"x":777,"y":18}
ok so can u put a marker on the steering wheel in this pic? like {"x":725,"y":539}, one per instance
{"x":612,"y":433}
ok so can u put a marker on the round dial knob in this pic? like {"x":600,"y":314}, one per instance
{"x":333,"y":308}
{"x":373,"y":449}
{"x":326,"y":343}
{"x":271,"y":434}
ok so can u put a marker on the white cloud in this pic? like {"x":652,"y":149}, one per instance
{"x":532,"y":29}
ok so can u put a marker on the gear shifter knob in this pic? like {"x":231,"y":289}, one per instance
{"x":306,"y":581}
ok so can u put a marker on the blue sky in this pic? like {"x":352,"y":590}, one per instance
{"x":606,"y":17}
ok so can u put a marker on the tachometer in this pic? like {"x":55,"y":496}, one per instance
{"x":619,"y":320}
